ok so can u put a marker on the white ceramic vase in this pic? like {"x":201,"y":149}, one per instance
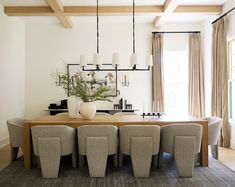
{"x":88,"y":110}
{"x":73,"y":106}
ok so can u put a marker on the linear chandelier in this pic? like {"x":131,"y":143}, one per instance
{"x":97,"y":59}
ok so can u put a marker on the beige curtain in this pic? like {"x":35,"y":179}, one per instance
{"x":196,"y":102}
{"x":219,"y":98}
{"x":157,"y":73}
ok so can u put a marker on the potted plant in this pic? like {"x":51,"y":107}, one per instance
{"x":76,"y":87}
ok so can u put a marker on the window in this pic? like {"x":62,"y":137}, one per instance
{"x":231,"y":81}
{"x":176,"y":82}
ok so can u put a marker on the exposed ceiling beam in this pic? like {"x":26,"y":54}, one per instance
{"x":106,"y":10}
{"x":169,"y":7}
{"x":58,"y":9}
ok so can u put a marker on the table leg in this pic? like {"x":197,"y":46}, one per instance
{"x":27,"y":147}
{"x":204,"y":147}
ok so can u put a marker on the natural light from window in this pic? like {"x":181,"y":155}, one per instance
{"x":176,"y":82}
{"x":232,"y":79}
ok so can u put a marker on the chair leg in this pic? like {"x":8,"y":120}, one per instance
{"x":97,"y":154}
{"x":141,"y":155}
{"x":120,"y":159}
{"x":74,"y":159}
{"x":184,"y":152}
{"x":156,"y":161}
{"x":14,"y":153}
{"x":49,"y":150}
{"x":115,"y":160}
{"x":214,"y":151}
{"x":81,"y":161}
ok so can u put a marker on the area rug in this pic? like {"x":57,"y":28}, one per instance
{"x":215,"y":175}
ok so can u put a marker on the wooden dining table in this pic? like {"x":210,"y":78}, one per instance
{"x":117,"y":120}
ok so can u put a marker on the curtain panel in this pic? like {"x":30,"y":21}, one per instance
{"x":196,"y":99}
{"x":219,"y":102}
{"x":157,"y":73}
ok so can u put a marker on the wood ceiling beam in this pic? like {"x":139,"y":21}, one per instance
{"x":106,"y":10}
{"x":169,"y":7}
{"x":58,"y":9}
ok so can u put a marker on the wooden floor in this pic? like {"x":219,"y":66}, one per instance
{"x":226,"y":156}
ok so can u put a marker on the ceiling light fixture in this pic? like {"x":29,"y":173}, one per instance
{"x":97,"y":59}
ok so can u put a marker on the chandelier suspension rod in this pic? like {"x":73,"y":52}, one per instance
{"x":97,"y":26}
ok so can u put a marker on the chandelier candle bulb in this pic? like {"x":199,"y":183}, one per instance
{"x":116,"y":59}
{"x":97,"y":59}
{"x":149,"y":60}
{"x":82,"y":60}
{"x":134,"y":60}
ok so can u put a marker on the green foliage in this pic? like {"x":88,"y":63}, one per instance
{"x":79,"y":88}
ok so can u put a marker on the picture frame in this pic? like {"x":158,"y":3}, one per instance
{"x":96,"y":78}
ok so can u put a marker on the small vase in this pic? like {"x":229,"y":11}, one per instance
{"x":88,"y":110}
{"x":73,"y":106}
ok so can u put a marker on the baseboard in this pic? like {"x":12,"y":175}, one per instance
{"x":4,"y":141}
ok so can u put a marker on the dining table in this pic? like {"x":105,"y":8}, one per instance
{"x":117,"y":120}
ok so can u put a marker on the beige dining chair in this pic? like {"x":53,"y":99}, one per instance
{"x":141,"y":142}
{"x":184,"y":142}
{"x":16,"y":133}
{"x":214,"y":128}
{"x":96,"y":142}
{"x":50,"y":143}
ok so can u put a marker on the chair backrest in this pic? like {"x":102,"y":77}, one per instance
{"x":169,"y":132}
{"x":214,"y":127}
{"x":125,"y":113}
{"x":65,"y":133}
{"x":108,"y":131}
{"x":16,"y":131}
{"x":129,"y":131}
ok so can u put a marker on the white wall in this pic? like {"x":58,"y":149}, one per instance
{"x":47,"y":44}
{"x":12,"y":71}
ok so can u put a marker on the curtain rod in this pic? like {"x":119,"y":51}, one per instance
{"x":225,"y":14}
{"x":179,"y":32}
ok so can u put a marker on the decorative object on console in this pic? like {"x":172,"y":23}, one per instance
{"x":122,"y":105}
{"x":73,"y":106}
{"x":125,"y":80}
{"x":75,"y":86}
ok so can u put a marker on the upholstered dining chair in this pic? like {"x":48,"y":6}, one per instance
{"x":184,"y":142}
{"x":141,"y":142}
{"x":16,"y":133}
{"x":50,"y":143}
{"x":214,"y":128}
{"x":96,"y":142}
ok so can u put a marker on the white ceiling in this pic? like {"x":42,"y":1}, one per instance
{"x":143,"y":18}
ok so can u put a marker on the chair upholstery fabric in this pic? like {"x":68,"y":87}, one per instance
{"x":184,"y":142}
{"x":169,"y":132}
{"x":214,"y":128}
{"x":50,"y":143}
{"x":16,"y":133}
{"x":97,"y":142}
{"x":141,"y":142}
